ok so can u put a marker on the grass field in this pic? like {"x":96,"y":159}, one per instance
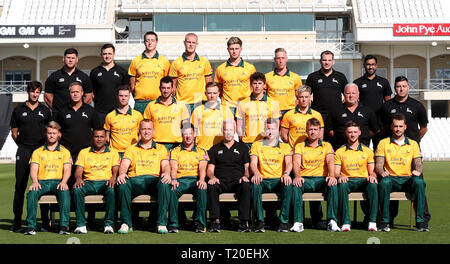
{"x":438,"y":186}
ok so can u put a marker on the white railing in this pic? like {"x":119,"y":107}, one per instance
{"x":9,"y":87}
{"x":439,"y":84}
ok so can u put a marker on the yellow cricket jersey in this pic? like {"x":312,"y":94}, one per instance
{"x":235,"y":81}
{"x":313,"y":159}
{"x":270,"y":159}
{"x":145,"y":161}
{"x":295,"y":121}
{"x":166,"y":120}
{"x":148,"y":73}
{"x":208,"y":124}
{"x":354,"y":162}
{"x":255,"y":113}
{"x":398,"y":159}
{"x":282,"y":88}
{"x":188,"y":160}
{"x":97,"y":166}
{"x":51,"y":162}
{"x":191,"y":78}
{"x":123,"y":128}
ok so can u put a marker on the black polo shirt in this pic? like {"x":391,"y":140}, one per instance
{"x":414,"y":111}
{"x":372,"y":92}
{"x":58,"y":84}
{"x":363,"y":116}
{"x":229,"y":163}
{"x":105,"y":84}
{"x":30,"y":124}
{"x":327,"y":90}
{"x":76,"y":127}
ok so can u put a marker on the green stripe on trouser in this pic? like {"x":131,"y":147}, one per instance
{"x":358,"y":185}
{"x":188,"y":184}
{"x":135,"y":186}
{"x":312,"y":185}
{"x":140,"y":105}
{"x":48,"y":187}
{"x":272,"y":185}
{"x":94,"y":188}
{"x":413,"y":184}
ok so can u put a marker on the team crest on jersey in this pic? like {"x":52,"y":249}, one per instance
{"x":220,"y":152}
{"x":379,"y":85}
{"x":99,"y":74}
{"x":320,"y":81}
{"x":24,"y":114}
{"x":335,"y":81}
{"x":40,"y":114}
{"x":364,"y":85}
{"x":61,"y":80}
{"x":393,"y":111}
{"x":236,"y":151}
{"x":116,"y":74}
{"x":68,"y":116}
{"x":78,"y":80}
{"x":408,"y":110}
{"x":83,"y":114}
{"x":344,"y":115}
{"x":359,"y":114}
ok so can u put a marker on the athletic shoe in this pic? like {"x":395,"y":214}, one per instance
{"x":46,"y":229}
{"x":80,"y":230}
{"x":162,"y":229}
{"x":64,"y":230}
{"x":259,"y":227}
{"x":172,"y":229}
{"x":215,"y":227}
{"x":372,"y":226}
{"x":345,"y":228}
{"x":283,"y":227}
{"x":385,"y":227}
{"x":124,"y":229}
{"x":16,"y":229}
{"x":199,"y":228}
{"x":333,"y":227}
{"x":243,"y":227}
{"x":297,"y":227}
{"x":319,"y":225}
{"x":108,"y":230}
{"x":29,"y":231}
{"x":421,"y":227}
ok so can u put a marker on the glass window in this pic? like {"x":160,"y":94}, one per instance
{"x":289,"y":22}
{"x":178,"y":23}
{"x":147,"y":25}
{"x":320,"y":24}
{"x":234,"y":22}
{"x":135,"y":29}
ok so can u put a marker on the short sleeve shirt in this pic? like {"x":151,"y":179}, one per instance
{"x":51,"y":162}
{"x":354,"y":162}
{"x":97,"y":166}
{"x":295,"y":121}
{"x":123,"y":128}
{"x":281,"y":88}
{"x":270,"y":158}
{"x":188,"y":160}
{"x":145,"y":161}
{"x":398,"y":159}
{"x":313,"y":159}
{"x":229,"y":162}
{"x":372,"y":92}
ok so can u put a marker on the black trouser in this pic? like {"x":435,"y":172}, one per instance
{"x":100,"y":122}
{"x":243,"y":193}
{"x":23,"y":156}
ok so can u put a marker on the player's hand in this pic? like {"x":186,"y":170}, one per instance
{"x":385,"y":174}
{"x":78,"y":183}
{"x":35,"y":186}
{"x":111,"y":182}
{"x":174,"y":184}
{"x":331,"y":181}
{"x":286,"y":179}
{"x":415,"y":173}
{"x":165,"y":178}
{"x":202,"y":185}
{"x":214,"y":180}
{"x":257,"y":179}
{"x":372,"y":179}
{"x":343,"y":179}
{"x":62,"y":186}
{"x":244,"y":179}
{"x":122,"y":178}
{"x":298,"y":181}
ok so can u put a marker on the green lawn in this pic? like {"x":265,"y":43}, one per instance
{"x":438,"y":185}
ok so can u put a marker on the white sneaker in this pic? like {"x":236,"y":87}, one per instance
{"x":333,"y":227}
{"x":108,"y":230}
{"x":297,"y":227}
{"x":345,"y":228}
{"x":80,"y":230}
{"x":124,"y":229}
{"x":162,"y":229}
{"x":372,"y":226}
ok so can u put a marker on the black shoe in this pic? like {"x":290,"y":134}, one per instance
{"x":243,"y":227}
{"x":259,"y":227}
{"x":421,"y":227}
{"x":199,"y":228}
{"x":215,"y":227}
{"x":30,"y":231}
{"x":385,"y":227}
{"x":283,"y":227}
{"x":319,"y":225}
{"x":16,"y":229}
{"x":391,"y":223}
{"x":172,"y":229}
{"x":64,"y":230}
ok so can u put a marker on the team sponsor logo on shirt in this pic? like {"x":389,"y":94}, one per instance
{"x":320,"y":81}
{"x":61,"y":80}
{"x":24,"y":114}
{"x":393,"y":111}
{"x":99,"y":74}
{"x":220,"y":152}
{"x":364,"y":86}
{"x":68,"y":116}
{"x":344,"y":115}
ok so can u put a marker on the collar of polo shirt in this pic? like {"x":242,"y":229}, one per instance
{"x":139,"y":144}
{"x":58,"y":147}
{"x":208,"y":104}
{"x":129,"y":112}
{"x":156,"y":56}
{"x":194,"y":148}
{"x":241,"y":63}
{"x":264,"y":98}
{"x":196,"y":57}
{"x":264,"y":143}
{"x":359,"y":148}
{"x":297,"y":110}
{"x":406,"y":140}
{"x":308,"y":144}
{"x":92,"y":149}
{"x":158,"y":100}
{"x":275,"y":72}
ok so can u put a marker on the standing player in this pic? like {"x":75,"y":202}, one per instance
{"x":313,"y":164}
{"x":146,"y":70}
{"x":122,"y":124}
{"x":252,"y":112}
{"x":399,"y":163}
{"x":57,"y":84}
{"x":28,"y":122}
{"x":50,"y":167}
{"x":106,"y":79}
{"x":190,"y":74}
{"x":143,"y":169}
{"x":167,"y":114}
{"x":233,"y":76}
{"x":282,"y":83}
{"x":374,"y":90}
{"x":208,"y":118}
{"x":327,"y":86}
{"x":271,"y":165}
{"x":96,"y":171}
{"x":354,"y":168}
{"x":293,"y":124}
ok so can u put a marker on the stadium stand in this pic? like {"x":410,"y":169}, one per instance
{"x":435,"y":144}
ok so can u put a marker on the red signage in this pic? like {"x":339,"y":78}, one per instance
{"x":422,"y":29}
